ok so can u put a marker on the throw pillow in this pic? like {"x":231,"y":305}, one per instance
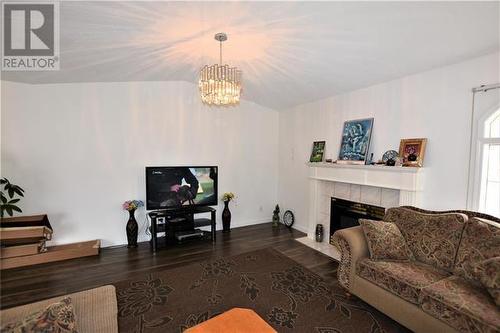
{"x":488,"y":272}
{"x":56,"y":318}
{"x":385,"y":241}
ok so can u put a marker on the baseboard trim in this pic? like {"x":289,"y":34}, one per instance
{"x":300,"y":228}
{"x":245,"y":224}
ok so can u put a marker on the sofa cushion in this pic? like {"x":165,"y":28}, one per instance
{"x":461,"y":305}
{"x":56,"y":318}
{"x":480,"y":241}
{"x":488,"y":273}
{"x":385,"y":240}
{"x":432,"y":238}
{"x":405,"y":279}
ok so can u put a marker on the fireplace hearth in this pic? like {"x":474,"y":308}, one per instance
{"x":345,"y":214}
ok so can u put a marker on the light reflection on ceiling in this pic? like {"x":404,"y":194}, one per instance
{"x":290,"y":52}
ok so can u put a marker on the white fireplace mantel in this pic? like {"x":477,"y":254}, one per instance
{"x":398,"y":178}
{"x":384,"y":186}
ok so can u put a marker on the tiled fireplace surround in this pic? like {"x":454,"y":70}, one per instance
{"x":375,"y":185}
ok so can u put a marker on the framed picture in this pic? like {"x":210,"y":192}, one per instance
{"x":355,"y":141}
{"x":412,"y":151}
{"x":318,"y":151}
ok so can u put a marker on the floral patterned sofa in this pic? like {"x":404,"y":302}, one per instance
{"x":438,"y":290}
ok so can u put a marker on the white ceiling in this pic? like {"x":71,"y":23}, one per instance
{"x":290,"y":52}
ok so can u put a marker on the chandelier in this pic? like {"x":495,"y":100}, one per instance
{"x":220,"y":84}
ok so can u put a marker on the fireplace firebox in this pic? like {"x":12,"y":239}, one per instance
{"x":345,"y":214}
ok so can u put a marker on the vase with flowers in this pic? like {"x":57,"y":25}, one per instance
{"x":226,"y":213}
{"x":132,"y":227}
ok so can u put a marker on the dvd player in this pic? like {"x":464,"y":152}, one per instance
{"x":186,"y":235}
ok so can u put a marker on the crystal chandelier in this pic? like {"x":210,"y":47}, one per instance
{"x":220,"y":84}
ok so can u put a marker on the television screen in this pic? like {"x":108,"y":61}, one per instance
{"x":175,"y":187}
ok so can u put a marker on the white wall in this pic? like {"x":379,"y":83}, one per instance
{"x":434,"y":104}
{"x":79,"y":150}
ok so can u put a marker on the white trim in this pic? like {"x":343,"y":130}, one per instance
{"x":300,"y":228}
{"x":398,"y":178}
{"x":476,"y":156}
{"x":246,"y":223}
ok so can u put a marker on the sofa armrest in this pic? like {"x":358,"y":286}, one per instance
{"x":352,"y":245}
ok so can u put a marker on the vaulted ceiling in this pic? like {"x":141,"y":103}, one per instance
{"x":290,"y":52}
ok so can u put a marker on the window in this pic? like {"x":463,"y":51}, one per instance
{"x":489,"y":143}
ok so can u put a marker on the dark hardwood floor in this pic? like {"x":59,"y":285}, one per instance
{"x":25,"y":285}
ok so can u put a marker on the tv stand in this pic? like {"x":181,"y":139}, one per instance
{"x":182,"y":219}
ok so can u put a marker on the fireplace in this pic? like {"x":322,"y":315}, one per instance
{"x":345,"y":214}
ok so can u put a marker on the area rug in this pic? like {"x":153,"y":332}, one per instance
{"x":285,"y":294}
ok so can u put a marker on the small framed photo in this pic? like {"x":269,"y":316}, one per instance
{"x":318,"y":151}
{"x":355,"y":141}
{"x":412,"y":151}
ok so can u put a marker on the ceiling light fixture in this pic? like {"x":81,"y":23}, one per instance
{"x":220,"y":84}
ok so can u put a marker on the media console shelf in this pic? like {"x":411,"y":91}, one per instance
{"x":179,"y":220}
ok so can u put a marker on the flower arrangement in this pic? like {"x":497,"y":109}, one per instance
{"x":228,"y":196}
{"x":132,"y":204}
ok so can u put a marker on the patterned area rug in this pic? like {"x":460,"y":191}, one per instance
{"x":285,"y":294}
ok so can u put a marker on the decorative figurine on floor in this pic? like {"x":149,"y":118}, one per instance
{"x":132,"y":226}
{"x":276,"y":216}
{"x":226,"y":213}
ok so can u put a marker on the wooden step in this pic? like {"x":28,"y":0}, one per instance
{"x":54,"y":253}
{"x":24,"y":235}
{"x":25,"y":221}
{"x":21,"y":250}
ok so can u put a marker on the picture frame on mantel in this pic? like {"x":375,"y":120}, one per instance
{"x":318,"y":151}
{"x":355,"y":141}
{"x":412,"y":152}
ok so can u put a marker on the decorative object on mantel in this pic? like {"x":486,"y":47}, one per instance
{"x":220,"y":84}
{"x":389,"y":157}
{"x":318,"y":151}
{"x":355,"y":142}
{"x":9,"y":205}
{"x":329,"y":160}
{"x":412,"y":151}
{"x":370,"y":161}
{"x":132,"y":227}
{"x":319,"y":233}
{"x":288,"y":218}
{"x":276,"y":216}
{"x":226,"y":213}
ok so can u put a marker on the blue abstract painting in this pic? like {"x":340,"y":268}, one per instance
{"x":356,"y":137}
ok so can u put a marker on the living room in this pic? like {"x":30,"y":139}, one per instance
{"x":250,"y":166}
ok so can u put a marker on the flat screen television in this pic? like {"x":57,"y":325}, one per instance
{"x":180,"y":186}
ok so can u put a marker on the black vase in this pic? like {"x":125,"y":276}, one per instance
{"x":132,"y":229}
{"x":319,"y":233}
{"x":226,"y":217}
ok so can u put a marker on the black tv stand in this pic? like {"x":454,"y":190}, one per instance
{"x":181,"y":219}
